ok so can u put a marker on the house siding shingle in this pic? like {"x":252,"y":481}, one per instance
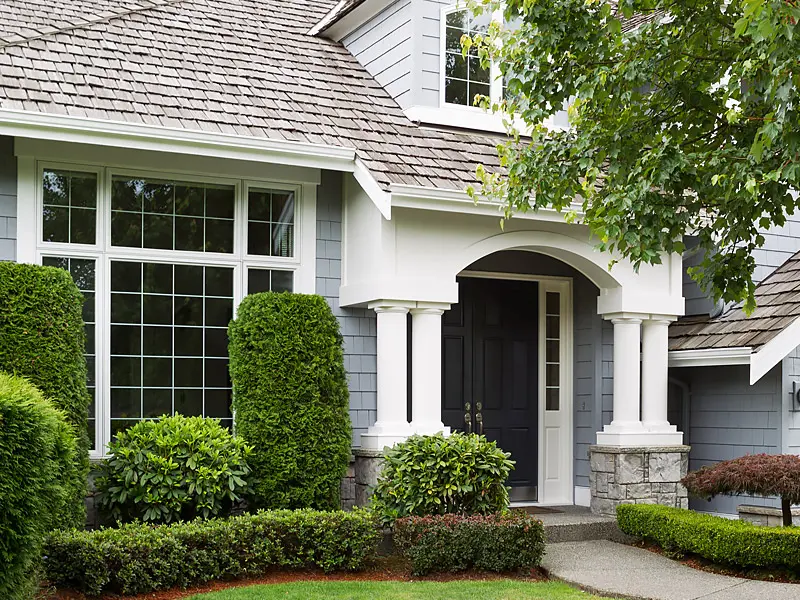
{"x":729,"y":418}
{"x":8,"y":200}
{"x":383,"y":46}
{"x":358,"y":325}
{"x":790,"y":408}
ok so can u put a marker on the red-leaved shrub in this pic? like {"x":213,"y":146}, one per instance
{"x":755,"y":474}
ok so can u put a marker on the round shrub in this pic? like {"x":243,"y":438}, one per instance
{"x":43,"y":340}
{"x":437,"y":474}
{"x":37,"y":451}
{"x":755,"y":474}
{"x":175,"y":468}
{"x":290,"y":399}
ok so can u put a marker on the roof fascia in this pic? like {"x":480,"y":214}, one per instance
{"x":774,"y":351}
{"x":335,"y":28}
{"x":381,"y":199}
{"x":166,"y":139}
{"x":710,"y":357}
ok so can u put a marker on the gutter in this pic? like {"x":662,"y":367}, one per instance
{"x":710,"y":357}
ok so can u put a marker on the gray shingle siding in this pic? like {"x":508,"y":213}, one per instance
{"x":790,"y":408}
{"x":8,"y":200}
{"x":358,"y":325}
{"x":383,"y":46}
{"x":780,"y":244}
{"x":429,"y":54}
{"x":729,"y":418}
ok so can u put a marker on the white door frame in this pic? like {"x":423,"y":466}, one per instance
{"x":554,"y":489}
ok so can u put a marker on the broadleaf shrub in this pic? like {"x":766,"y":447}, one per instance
{"x":140,"y":558}
{"x":723,"y":541}
{"x":438,"y":474}
{"x":755,"y":474}
{"x":37,"y":450}
{"x":290,"y":399}
{"x":442,"y":543}
{"x":174,"y":468}
{"x":43,"y":340}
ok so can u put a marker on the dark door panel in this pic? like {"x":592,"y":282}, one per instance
{"x":490,"y":370}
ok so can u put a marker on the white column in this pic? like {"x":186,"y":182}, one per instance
{"x":626,"y":426}
{"x":426,"y":369}
{"x":655,"y":381}
{"x":391,"y":425}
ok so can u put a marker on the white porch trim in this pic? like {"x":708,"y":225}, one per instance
{"x":710,"y":357}
{"x":774,"y":351}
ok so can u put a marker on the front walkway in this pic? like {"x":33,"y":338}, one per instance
{"x":612,"y":569}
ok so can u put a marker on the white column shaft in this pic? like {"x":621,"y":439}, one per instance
{"x":626,"y":373}
{"x":655,"y":366}
{"x":426,"y":370}
{"x":392,"y":359}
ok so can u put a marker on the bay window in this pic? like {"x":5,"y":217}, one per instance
{"x":162,"y":262}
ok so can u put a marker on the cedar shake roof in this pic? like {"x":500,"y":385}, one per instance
{"x":244,"y":67}
{"x":778,"y":305}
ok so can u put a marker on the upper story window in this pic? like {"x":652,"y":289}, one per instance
{"x":464,"y":78}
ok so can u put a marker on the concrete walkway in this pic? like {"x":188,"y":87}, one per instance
{"x":616,"y":570}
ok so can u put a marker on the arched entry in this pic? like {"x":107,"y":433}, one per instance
{"x":507,"y":368}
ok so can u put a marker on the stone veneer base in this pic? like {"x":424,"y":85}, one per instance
{"x":637,"y":475}
{"x":367,"y":467}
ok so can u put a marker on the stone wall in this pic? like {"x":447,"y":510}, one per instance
{"x":637,"y":476}
{"x":367,"y":468}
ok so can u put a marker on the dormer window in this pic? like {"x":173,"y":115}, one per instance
{"x":464,"y":78}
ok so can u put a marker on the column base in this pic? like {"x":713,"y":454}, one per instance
{"x":624,"y":439}
{"x":367,"y":469}
{"x":381,"y":435}
{"x":429,"y":428}
{"x":637,"y":475}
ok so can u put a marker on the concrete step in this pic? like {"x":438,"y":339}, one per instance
{"x":575,"y":524}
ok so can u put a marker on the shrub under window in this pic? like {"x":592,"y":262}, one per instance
{"x":173,"y":468}
{"x":37,"y":453}
{"x":43,"y":340}
{"x":437,"y":474}
{"x":290,"y":399}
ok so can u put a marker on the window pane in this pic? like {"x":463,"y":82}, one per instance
{"x":270,"y":227}
{"x":264,"y":280}
{"x":552,"y":328}
{"x":455,"y":65}
{"x":553,"y":303}
{"x":172,"y":215}
{"x":455,"y":92}
{"x":477,"y":72}
{"x":282,"y":281}
{"x":69,"y":213}
{"x":158,"y":367}
{"x":552,"y":351}
{"x":552,"y":399}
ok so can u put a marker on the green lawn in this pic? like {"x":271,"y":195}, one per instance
{"x":403,"y":590}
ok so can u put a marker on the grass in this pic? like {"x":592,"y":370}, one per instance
{"x":507,"y":589}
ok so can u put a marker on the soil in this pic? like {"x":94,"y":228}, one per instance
{"x":384,"y":569}
{"x":702,"y":564}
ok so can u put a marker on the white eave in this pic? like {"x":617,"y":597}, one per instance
{"x":710,"y":357}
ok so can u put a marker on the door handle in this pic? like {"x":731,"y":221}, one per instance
{"x":479,"y":421}
{"x":468,"y":421}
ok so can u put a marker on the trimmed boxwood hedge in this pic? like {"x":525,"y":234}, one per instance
{"x":138,"y":558}
{"x":723,"y":541}
{"x":290,"y":399}
{"x":37,"y":449}
{"x":500,"y":542}
{"x":42,"y":339}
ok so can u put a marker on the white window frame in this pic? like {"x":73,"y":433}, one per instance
{"x":495,"y":76}
{"x":32,"y":246}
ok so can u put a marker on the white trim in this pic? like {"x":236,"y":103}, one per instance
{"x":583,"y":496}
{"x":27,"y":209}
{"x":169,"y":139}
{"x":565,"y":416}
{"x":774,"y":351}
{"x":462,"y":117}
{"x":345,"y":25}
{"x":381,"y":199}
{"x":710,"y":357}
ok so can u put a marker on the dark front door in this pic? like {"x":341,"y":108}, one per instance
{"x":490,"y":379}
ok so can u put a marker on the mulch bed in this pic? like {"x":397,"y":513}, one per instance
{"x":384,"y":569}
{"x":702,"y":564}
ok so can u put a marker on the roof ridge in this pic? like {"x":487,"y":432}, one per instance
{"x":52,"y":30}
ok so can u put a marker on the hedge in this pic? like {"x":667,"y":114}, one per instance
{"x":437,"y":474}
{"x":138,"y":558}
{"x":290,"y":399}
{"x":43,"y":340}
{"x":441,"y":543}
{"x":722,"y":541}
{"x":37,"y":449}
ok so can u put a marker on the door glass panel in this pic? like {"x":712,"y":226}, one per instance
{"x":552,"y":351}
{"x":169,"y":340}
{"x":83,"y":274}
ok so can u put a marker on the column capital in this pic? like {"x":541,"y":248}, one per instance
{"x":391,"y":306}
{"x":626,"y":320}
{"x":664,"y":319}
{"x":428,"y":310}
